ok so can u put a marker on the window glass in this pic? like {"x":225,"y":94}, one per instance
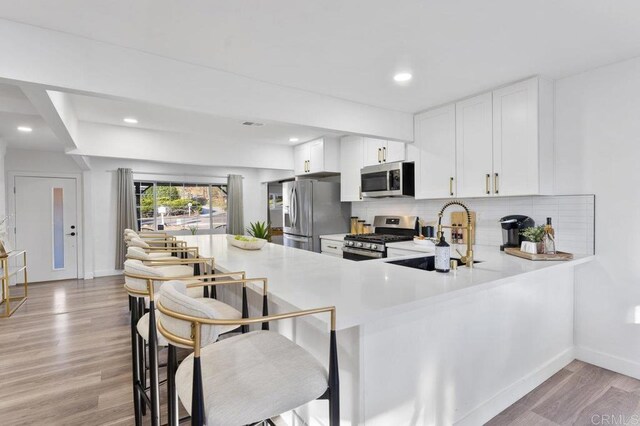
{"x":178,"y":206}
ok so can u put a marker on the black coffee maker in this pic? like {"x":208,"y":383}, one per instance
{"x":511,"y":227}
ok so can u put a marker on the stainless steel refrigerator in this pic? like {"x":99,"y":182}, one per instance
{"x":309,"y":209}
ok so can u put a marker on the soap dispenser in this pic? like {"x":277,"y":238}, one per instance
{"x":443,"y":255}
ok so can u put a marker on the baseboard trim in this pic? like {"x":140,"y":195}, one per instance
{"x":505,"y":398}
{"x":610,"y":362}
{"x":107,"y":273}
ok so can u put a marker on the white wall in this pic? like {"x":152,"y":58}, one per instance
{"x":99,"y":194}
{"x":3,"y":195}
{"x":598,"y":151}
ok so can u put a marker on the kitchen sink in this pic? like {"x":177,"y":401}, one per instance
{"x":426,"y":263}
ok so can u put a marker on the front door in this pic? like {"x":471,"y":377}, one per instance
{"x":46,"y":226}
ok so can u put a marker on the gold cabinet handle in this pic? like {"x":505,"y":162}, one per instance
{"x":379,"y":155}
{"x":305,"y":166}
{"x":487,"y":183}
{"x":451,"y":186}
{"x":308,"y":166}
{"x":495,"y":183}
{"x":384,"y":154}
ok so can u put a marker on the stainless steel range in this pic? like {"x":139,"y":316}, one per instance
{"x":388,"y":229}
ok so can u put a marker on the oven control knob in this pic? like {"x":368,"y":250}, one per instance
{"x":358,"y":244}
{"x":374,"y":247}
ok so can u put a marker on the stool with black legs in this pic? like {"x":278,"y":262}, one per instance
{"x":245,"y":379}
{"x":142,"y":281}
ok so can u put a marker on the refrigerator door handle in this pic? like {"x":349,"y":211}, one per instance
{"x":297,"y":239}
{"x":294,"y":208}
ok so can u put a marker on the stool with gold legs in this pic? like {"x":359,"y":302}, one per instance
{"x":9,"y":304}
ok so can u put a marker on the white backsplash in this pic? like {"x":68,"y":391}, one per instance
{"x":572,"y":215}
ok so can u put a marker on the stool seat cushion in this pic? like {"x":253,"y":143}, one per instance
{"x":225,"y":311}
{"x":252,"y":377}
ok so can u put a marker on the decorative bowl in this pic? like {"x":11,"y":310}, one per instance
{"x":246,"y":243}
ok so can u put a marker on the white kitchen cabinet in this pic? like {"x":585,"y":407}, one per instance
{"x":497,"y":143}
{"x":395,"y":151}
{"x":435,"y":143}
{"x":300,"y":157}
{"x":523,"y":138}
{"x":319,"y":156}
{"x":474,"y":146}
{"x":331,"y":247}
{"x":351,"y":161}
{"x":378,"y":151}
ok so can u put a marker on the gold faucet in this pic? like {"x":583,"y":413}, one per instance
{"x":467,"y":259}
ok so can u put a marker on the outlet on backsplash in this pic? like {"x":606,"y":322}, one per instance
{"x":572,"y":215}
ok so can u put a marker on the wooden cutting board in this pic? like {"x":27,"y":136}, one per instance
{"x":514,"y":251}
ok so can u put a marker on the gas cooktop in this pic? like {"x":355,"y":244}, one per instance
{"x":378,"y":238}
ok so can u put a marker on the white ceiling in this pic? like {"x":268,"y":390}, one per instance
{"x":351,"y":49}
{"x":16,"y":110}
{"x":153,"y":117}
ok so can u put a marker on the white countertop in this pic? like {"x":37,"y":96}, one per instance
{"x":333,"y":237}
{"x":366,"y":290}
{"x":410,"y":245}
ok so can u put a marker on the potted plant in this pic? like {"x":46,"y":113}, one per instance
{"x":260,"y":230}
{"x":534,"y":234}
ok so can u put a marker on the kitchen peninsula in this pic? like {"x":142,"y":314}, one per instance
{"x":419,"y":347}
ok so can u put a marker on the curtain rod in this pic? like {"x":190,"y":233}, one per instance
{"x":177,"y":174}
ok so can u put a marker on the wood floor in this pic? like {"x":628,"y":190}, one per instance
{"x":65,"y":360}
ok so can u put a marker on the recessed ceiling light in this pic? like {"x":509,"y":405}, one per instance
{"x":25,"y":129}
{"x":402,"y":77}
{"x":293,"y":139}
{"x":130,"y":120}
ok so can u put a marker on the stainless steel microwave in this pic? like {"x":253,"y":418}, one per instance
{"x":388,"y":180}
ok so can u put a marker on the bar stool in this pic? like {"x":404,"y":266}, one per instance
{"x":244,"y":379}
{"x":142,"y":282}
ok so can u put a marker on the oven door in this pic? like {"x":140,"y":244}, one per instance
{"x":360,"y":254}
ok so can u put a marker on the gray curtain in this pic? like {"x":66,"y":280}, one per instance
{"x":235,"y":209}
{"x":126,"y":212}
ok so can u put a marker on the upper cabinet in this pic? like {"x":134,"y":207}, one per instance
{"x":497,"y":143}
{"x":351,"y":161}
{"x":474,"y":140}
{"x":434,"y":152}
{"x":318,"y":156}
{"x":378,"y":151}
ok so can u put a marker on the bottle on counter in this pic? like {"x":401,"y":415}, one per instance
{"x":443,"y":256}
{"x":548,"y":240}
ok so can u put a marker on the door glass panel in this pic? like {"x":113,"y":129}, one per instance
{"x":58,"y":228}
{"x":376,"y":181}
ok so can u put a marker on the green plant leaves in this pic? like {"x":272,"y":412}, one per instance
{"x":260,"y":230}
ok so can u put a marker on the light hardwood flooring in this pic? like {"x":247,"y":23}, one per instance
{"x":65,"y":360}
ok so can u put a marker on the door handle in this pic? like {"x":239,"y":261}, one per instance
{"x":73,"y":234}
{"x":308,"y":166}
{"x":495,"y":183}
{"x":379,"y":155}
{"x":384,"y":154}
{"x":451,"y":186}
{"x":360,"y":192}
{"x":487,"y":183}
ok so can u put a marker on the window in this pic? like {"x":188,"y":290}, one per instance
{"x":171,"y":206}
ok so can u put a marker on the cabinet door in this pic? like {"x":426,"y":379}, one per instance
{"x":515,"y":139}
{"x":373,"y":151}
{"x":474,"y":141}
{"x":435,"y":139}
{"x":350,"y":164}
{"x":393,"y":151}
{"x":316,"y":156}
{"x":300,"y":157}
